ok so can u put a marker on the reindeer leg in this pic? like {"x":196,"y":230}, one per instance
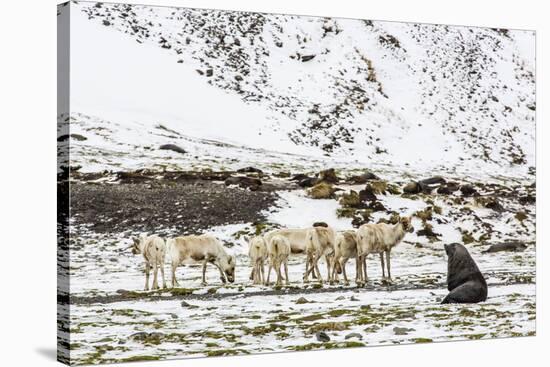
{"x":155,"y":275}
{"x":162,"y":275}
{"x":364,"y":264}
{"x":343,"y":267}
{"x":382,"y":263}
{"x":269,"y":272}
{"x":286,"y":272}
{"x":316,"y":265}
{"x":146,"y":276}
{"x":204,"y":272}
{"x":174,"y":281}
{"x":279,"y":275}
{"x":263,"y":272}
{"x":388,"y":264}
{"x":327,"y":259}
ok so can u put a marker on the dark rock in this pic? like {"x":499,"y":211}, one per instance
{"x":299,"y":177}
{"x":72,"y":136}
{"x":412,"y":188}
{"x":448,"y":188}
{"x":209,"y":72}
{"x":173,"y":148}
{"x":468,"y":190}
{"x":436,"y":180}
{"x":402,"y":330}
{"x":250,"y":170}
{"x":186,"y":304}
{"x":367,"y":195}
{"x":527,"y":199}
{"x":364,"y":178}
{"x":506,"y":246}
{"x":354,"y":335}
{"x":142,"y":335}
{"x":301,"y":301}
{"x":322,"y":337}
{"x":307,"y":57}
{"x":328,"y":175}
{"x":309,"y":182}
{"x":244,"y":182}
{"x":320,"y":224}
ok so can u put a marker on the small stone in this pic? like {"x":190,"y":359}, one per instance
{"x":354,"y":335}
{"x":322,"y":337}
{"x":353,"y":298}
{"x":401,"y":330}
{"x":301,"y":301}
{"x":188,"y":305}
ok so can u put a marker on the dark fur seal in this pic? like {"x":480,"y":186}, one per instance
{"x":464,"y":280}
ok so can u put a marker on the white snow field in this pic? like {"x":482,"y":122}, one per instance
{"x":295,"y":95}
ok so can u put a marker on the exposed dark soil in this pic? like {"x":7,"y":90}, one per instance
{"x":160,"y":205}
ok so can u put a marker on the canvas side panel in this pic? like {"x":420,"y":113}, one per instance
{"x":63,"y":162}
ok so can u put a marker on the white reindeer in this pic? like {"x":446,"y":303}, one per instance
{"x":319,"y":242}
{"x":380,"y":238}
{"x":201,"y":249}
{"x":278,"y":249}
{"x":153,"y":250}
{"x":345,"y":248}
{"x":257,"y":253}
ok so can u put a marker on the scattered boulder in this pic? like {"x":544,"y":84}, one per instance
{"x":244,"y":182}
{"x":250,"y":170}
{"x":490,"y":202}
{"x":307,"y":57}
{"x":402,"y":330}
{"x":322,"y":190}
{"x":309,"y":182}
{"x":513,"y":246}
{"x":412,"y":188}
{"x":299,"y":177}
{"x":468,"y":190}
{"x":328,"y":175}
{"x":354,"y":335}
{"x":436,"y":180}
{"x":186,"y":304}
{"x":142,"y":335}
{"x":448,"y":188}
{"x":301,"y":301}
{"x":378,"y":187}
{"x":367,"y":194}
{"x":320,"y":224}
{"x":72,"y":136}
{"x":363,"y":178}
{"x":351,"y":199}
{"x":322,"y":337}
{"x":173,"y":147}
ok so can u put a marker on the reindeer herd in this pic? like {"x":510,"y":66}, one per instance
{"x":274,"y":249}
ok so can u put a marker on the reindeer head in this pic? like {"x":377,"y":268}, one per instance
{"x":135,"y":246}
{"x":228,"y":266}
{"x":406,"y":223}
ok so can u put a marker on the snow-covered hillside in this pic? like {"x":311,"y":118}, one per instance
{"x":411,"y":96}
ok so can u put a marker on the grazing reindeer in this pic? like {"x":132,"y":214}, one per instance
{"x":319,"y":242}
{"x":257,"y":252}
{"x":380,"y":238}
{"x":345,"y":248}
{"x":278,"y":250}
{"x":201,"y":249}
{"x":153,"y":250}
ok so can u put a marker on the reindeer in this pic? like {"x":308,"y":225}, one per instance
{"x":153,"y":250}
{"x":380,"y":238}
